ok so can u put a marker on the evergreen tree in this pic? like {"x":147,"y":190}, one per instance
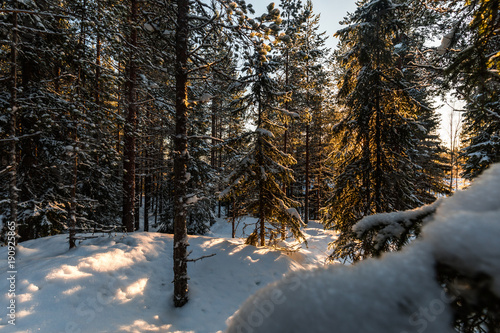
{"x":257,"y":179}
{"x":380,"y":130}
{"x":473,"y":62}
{"x":67,"y":162}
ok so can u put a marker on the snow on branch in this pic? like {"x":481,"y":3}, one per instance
{"x":452,"y":273}
{"x":386,"y":232}
{"x":391,"y":224}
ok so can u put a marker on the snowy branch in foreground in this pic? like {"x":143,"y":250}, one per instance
{"x":394,"y":228}
{"x":450,"y":274}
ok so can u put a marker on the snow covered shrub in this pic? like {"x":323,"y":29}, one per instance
{"x":447,"y":279}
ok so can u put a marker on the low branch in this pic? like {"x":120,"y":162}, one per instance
{"x":203,"y":257}
{"x":17,"y":138}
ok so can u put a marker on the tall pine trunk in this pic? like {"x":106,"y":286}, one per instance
{"x":147,"y":184}
{"x":181,"y":155}
{"x":74,"y":181}
{"x":130,"y":127}
{"x":285,"y":135}
{"x":13,"y":125}
{"x":378,"y":166}
{"x":306,"y":203}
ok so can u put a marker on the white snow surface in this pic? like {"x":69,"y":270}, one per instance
{"x":396,"y":293}
{"x":465,"y":232}
{"x":123,"y":283}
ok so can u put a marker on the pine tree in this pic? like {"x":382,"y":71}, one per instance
{"x":66,"y":168}
{"x":473,"y":70}
{"x":257,"y":179}
{"x":380,"y":131}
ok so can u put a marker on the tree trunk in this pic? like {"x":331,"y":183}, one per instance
{"x":97,"y":96}
{"x":13,"y":194}
{"x":130,"y":128}
{"x":181,"y":155}
{"x":72,"y":211}
{"x":306,"y":203}
{"x":285,"y":135}
{"x":378,"y":166}
{"x":367,"y":169}
{"x":262,"y":218}
{"x":147,"y":186}
{"x":74,"y":182}
{"x":213,"y":152}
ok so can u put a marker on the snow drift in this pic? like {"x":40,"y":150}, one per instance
{"x":397,"y":293}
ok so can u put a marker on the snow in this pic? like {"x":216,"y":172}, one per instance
{"x":264,"y":132}
{"x":205,"y":97}
{"x":359,"y":298}
{"x":149,"y":27}
{"x":123,"y":283}
{"x":398,"y":292}
{"x":446,"y":42}
{"x":293,"y":212}
{"x":192,"y":199}
{"x":392,"y":224}
{"x":471,"y":222}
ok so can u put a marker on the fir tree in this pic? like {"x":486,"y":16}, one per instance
{"x":380,"y":131}
{"x":258,"y":178}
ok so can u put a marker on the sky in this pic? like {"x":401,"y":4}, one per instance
{"x":331,"y":13}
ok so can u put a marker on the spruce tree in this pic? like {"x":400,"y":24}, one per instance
{"x":375,"y":169}
{"x":257,"y":179}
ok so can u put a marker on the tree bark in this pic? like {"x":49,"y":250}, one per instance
{"x":147,"y":185}
{"x":130,"y":128}
{"x":13,"y":194}
{"x":181,"y":156}
{"x":378,"y":166}
{"x":306,"y":203}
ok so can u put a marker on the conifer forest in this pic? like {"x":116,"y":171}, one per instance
{"x":148,"y":118}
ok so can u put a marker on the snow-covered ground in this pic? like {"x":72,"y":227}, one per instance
{"x":123,"y":283}
{"x":398,"y":292}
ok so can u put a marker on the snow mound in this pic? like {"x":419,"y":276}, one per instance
{"x":123,"y":283}
{"x":397,"y":293}
{"x":392,"y":295}
{"x":465,"y":232}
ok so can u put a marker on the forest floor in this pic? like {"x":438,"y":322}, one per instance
{"x":123,"y":282}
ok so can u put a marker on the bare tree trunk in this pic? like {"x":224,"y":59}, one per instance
{"x":72,"y":211}
{"x":367,"y":171}
{"x":181,"y":155}
{"x":130,"y":128}
{"x":13,"y":125}
{"x":74,"y":182}
{"x":320,"y":165}
{"x":285,"y":135}
{"x":98,"y":65}
{"x":147,"y":186}
{"x":214,"y":135}
{"x":233,"y":219}
{"x":378,"y":166}
{"x":262,"y":217}
{"x":306,"y":203}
